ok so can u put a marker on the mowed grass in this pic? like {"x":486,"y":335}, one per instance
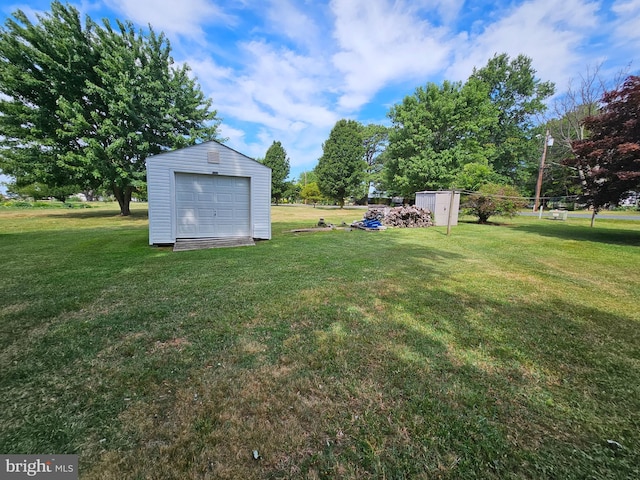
{"x":501,"y":351}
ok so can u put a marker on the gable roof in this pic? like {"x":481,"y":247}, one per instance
{"x":204,"y":143}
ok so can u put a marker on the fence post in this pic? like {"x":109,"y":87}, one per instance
{"x":451,"y":203}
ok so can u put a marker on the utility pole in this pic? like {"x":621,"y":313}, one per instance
{"x":548,"y":141}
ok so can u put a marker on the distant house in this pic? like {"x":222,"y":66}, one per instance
{"x":207,"y":191}
{"x":630,"y":199}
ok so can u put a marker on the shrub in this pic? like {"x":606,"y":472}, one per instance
{"x":46,"y":204}
{"x":19,"y":204}
{"x":494,"y":199}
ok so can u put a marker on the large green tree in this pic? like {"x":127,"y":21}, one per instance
{"x":341,"y":168}
{"x":40,"y":64}
{"x":277,"y":160}
{"x":435,"y":132}
{"x":474,"y":175}
{"x":85,"y":104}
{"x":519,"y":98}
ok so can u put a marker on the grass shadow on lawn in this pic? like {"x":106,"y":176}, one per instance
{"x":458,"y":385}
{"x":553,"y":378}
{"x":47,"y":273}
{"x":614,"y":236}
{"x":452,"y":387}
{"x":98,"y":212}
{"x":336,"y":355}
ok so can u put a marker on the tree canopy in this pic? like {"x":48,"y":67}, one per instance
{"x":473,"y":175}
{"x":306,"y":177}
{"x":86,"y":105}
{"x":435,"y":132}
{"x":311,"y":193}
{"x":611,"y":153}
{"x":341,"y":168}
{"x":519,"y":98}
{"x":489,"y":120}
{"x":277,"y":160}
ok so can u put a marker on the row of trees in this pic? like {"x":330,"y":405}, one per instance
{"x":83,"y":105}
{"x":452,"y":134}
{"x":351,"y":163}
{"x":487,"y":131}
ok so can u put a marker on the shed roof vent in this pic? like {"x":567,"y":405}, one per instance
{"x":213,"y":156}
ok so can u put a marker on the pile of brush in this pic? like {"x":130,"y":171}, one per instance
{"x":408,"y":217}
{"x":403,"y":217}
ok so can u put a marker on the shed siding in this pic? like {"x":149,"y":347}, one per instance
{"x":161,"y":170}
{"x":438,"y":202}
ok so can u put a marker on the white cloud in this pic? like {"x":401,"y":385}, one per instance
{"x":277,"y":87}
{"x":549,"y":32}
{"x":626,"y":7}
{"x":288,"y":84}
{"x":184,"y":18}
{"x":627,"y":26}
{"x":303,"y":150}
{"x":237,"y":139}
{"x":278,"y":91}
{"x":449,"y":9}
{"x":233,"y":135}
{"x":285,"y":18}
{"x":380,"y":43}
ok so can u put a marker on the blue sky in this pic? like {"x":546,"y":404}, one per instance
{"x":287,"y":70}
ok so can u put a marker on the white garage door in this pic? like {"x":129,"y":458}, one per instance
{"x":212,"y":206}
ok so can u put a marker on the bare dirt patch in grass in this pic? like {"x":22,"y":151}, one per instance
{"x":172,"y":344}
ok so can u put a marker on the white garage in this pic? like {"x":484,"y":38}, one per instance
{"x":207,"y":191}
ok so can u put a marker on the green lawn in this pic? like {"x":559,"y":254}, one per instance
{"x":501,"y":351}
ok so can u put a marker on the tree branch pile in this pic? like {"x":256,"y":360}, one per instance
{"x":402,"y":217}
{"x":408,"y":217}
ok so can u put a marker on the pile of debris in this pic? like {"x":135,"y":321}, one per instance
{"x":403,"y":217}
{"x":373,"y":219}
{"x":408,"y":217}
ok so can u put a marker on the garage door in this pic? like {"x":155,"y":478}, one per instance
{"x":212,"y":206}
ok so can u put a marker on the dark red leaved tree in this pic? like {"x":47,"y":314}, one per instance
{"x":611,"y":154}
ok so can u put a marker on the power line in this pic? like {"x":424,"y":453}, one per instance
{"x":493,"y":195}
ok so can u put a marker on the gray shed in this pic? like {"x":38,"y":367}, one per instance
{"x":207,"y":191}
{"x":439,"y":203}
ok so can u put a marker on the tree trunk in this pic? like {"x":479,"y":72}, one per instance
{"x":123,"y":195}
{"x":593,"y":217}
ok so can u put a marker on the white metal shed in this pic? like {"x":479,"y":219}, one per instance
{"x":439,"y":204}
{"x":207,"y":191}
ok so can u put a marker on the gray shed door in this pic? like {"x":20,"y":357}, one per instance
{"x":212,"y":206}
